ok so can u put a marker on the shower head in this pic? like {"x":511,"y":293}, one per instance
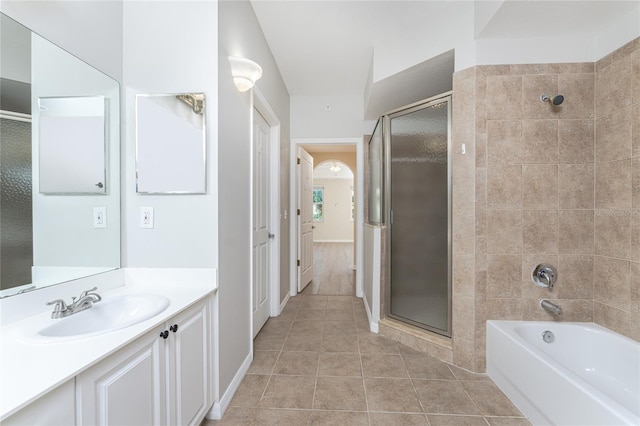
{"x":554,"y":100}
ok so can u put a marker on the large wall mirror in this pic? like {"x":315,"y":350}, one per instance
{"x":60,"y":168}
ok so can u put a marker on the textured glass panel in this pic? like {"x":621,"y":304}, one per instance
{"x":376,"y":177}
{"x":16,"y":241}
{"x":419,"y":230}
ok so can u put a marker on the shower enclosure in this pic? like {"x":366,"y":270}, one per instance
{"x":417,"y":213}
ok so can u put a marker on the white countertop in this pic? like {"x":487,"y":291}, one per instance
{"x":30,"y":369}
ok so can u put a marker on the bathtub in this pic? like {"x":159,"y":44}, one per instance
{"x":587,"y":374}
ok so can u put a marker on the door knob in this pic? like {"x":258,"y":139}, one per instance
{"x":271,"y":235}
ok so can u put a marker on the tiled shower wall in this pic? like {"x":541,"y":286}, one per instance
{"x":558,"y":185}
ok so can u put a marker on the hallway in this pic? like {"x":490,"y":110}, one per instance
{"x":318,"y":364}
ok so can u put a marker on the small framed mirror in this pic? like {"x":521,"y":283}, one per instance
{"x":71,"y":145}
{"x":170,"y":144}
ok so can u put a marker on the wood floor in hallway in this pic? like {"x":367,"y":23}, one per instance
{"x":318,"y":364}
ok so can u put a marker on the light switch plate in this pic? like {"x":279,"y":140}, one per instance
{"x":99,"y":217}
{"x":146,"y":217}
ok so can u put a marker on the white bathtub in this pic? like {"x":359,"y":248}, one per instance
{"x":588,"y":375}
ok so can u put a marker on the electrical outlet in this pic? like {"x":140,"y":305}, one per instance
{"x":146,"y":217}
{"x":99,"y":217}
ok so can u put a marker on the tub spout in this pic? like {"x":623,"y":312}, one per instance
{"x":551,"y":307}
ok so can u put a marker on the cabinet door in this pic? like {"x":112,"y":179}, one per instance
{"x":189,"y":366}
{"x":127,"y":388}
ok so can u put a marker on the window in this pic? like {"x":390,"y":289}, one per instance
{"x":318,"y":200}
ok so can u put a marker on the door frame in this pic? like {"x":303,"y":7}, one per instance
{"x":359,"y":181}
{"x":260,"y":103}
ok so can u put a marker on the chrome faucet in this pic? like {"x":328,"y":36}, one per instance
{"x":551,"y":307}
{"x":85,"y":301}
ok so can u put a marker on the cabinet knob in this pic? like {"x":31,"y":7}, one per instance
{"x":174,"y":328}
{"x":164,"y":334}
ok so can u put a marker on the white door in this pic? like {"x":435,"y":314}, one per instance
{"x":261,"y":221}
{"x":305,"y":218}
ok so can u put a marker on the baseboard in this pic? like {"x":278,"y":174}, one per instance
{"x":219,"y":407}
{"x":284,"y":302}
{"x":333,"y":241}
{"x":373,"y":325}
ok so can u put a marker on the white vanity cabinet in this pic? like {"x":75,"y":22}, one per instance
{"x":53,"y":409}
{"x":162,"y":378}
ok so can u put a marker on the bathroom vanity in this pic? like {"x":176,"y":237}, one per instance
{"x":158,"y":371}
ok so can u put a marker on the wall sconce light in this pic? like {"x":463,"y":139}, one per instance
{"x":245,"y":72}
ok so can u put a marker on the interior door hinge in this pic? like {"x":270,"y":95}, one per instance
{"x":298,"y":161}
{"x":298,"y":212}
{"x":298,"y":262}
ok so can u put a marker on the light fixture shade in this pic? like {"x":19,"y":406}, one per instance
{"x":245,"y":72}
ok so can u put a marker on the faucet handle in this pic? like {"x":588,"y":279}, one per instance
{"x":60,"y":306}
{"x":84,"y":293}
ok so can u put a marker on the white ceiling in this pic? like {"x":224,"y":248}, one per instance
{"x":325,"y":48}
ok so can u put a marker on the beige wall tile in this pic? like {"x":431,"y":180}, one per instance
{"x":504,"y":309}
{"x":504,"y":276}
{"x":576,"y":141}
{"x":571,"y":68}
{"x":634,"y":301}
{"x":576,"y":310}
{"x":481,"y":254}
{"x":613,"y":233}
{"x":463,"y":231}
{"x":575,"y":232}
{"x":613,"y":136}
{"x":613,"y":185}
{"x":539,"y":141}
{"x":481,"y":187}
{"x":463,"y":275}
{"x":481,"y":149}
{"x":634,"y":327}
{"x":635,"y":76}
{"x":463,"y":311}
{"x":610,"y":317}
{"x":506,"y":97}
{"x":578,"y":91}
{"x":540,"y":231}
{"x":575,"y":276}
{"x":576,"y":186}
{"x":635,"y":130}
{"x":613,"y":87}
{"x":635,"y":182}
{"x":635,"y":235}
{"x":504,"y":231}
{"x":612,"y":282}
{"x":540,"y":186}
{"x":504,"y":186}
{"x":532,"y":87}
{"x":504,"y":142}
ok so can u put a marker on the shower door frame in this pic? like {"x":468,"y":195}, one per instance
{"x":386,"y":127}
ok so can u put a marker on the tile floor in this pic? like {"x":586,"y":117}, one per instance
{"x":318,"y":364}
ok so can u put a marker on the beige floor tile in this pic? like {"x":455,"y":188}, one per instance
{"x":281,"y":417}
{"x":490,"y":399}
{"x":339,"y":328}
{"x":397,"y":419}
{"x":338,"y":315}
{"x":304,"y":314}
{"x":383,"y":365}
{"x":339,"y":344}
{"x":234,"y":416}
{"x":444,"y":397}
{"x":306,"y":328}
{"x":289,"y":392}
{"x":440,"y":420}
{"x":302,"y":343}
{"x":372,"y":343}
{"x":297,"y":363}
{"x":462,"y":374}
{"x":339,"y":364}
{"x":339,"y":418}
{"x":426,"y":367}
{"x":263,"y":342}
{"x":340,"y":393}
{"x":391,"y":395}
{"x":250,"y":391}
{"x":263,"y":362}
{"x":276,"y":327}
{"x":507,"y":421}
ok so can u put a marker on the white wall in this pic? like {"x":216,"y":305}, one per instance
{"x":240,"y":35}
{"x":326,"y":116}
{"x":337,"y":225}
{"x":170,"y":47}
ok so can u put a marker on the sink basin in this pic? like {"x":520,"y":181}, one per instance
{"x":112,"y":313}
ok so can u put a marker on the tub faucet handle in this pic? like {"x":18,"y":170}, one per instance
{"x":545,"y":275}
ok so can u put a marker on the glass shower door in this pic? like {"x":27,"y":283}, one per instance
{"x":419,"y":182}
